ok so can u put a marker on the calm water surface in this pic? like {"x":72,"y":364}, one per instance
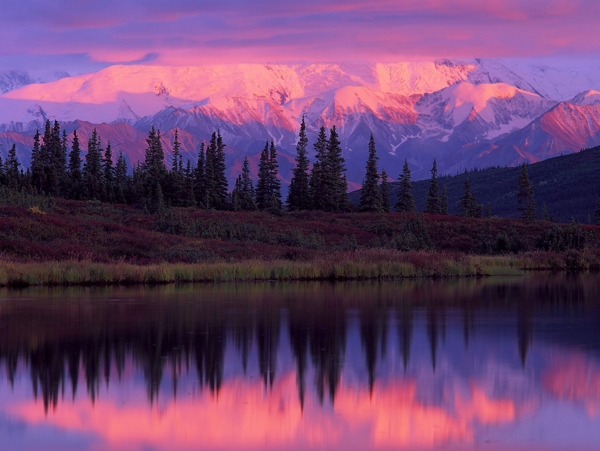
{"x":495,"y":364}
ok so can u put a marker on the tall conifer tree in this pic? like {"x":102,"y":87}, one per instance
{"x":37,"y":165}
{"x":299,"y":192}
{"x":109,"y":174}
{"x":11,"y":169}
{"x":525,"y":196}
{"x":370,"y":196}
{"x":93,"y":177}
{"x":406,"y":201}
{"x":336,"y":185}
{"x":74,"y":169}
{"x":247,"y":201}
{"x":121,"y":179}
{"x":432,"y":203}
{"x":318,"y":173}
{"x":200,"y":179}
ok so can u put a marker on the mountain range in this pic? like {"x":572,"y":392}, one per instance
{"x":466,"y":114}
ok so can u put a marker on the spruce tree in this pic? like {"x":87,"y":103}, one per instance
{"x":93,"y":179}
{"x":444,"y":202}
{"x":74,"y":170}
{"x":275,"y":204}
{"x":216,"y":180}
{"x":188,"y":199}
{"x":268,"y":188}
{"x":370,"y":196}
{"x":154,"y":173}
{"x":55,"y":158}
{"x":468,"y":204}
{"x":200,"y":179}
{"x":247,"y":201}
{"x":299,"y":192}
{"x":525,"y":196}
{"x":37,"y":165}
{"x":109,"y":174}
{"x":176,"y":182}
{"x":11,"y":169}
{"x":432,"y":203}
{"x":263,"y":184}
{"x":385,"y":192}
{"x":406,"y":201}
{"x":336,"y":185}
{"x":317,"y":175}
{"x":221,"y":185}
{"x":236,"y":194}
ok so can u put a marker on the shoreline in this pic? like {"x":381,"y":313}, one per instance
{"x":359,"y":265}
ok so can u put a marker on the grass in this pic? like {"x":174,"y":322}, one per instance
{"x":360,"y":265}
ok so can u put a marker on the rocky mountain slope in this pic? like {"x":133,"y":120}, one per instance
{"x":466,"y":114}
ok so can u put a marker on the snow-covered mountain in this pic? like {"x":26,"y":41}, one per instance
{"x":13,"y":79}
{"x":466,"y":114}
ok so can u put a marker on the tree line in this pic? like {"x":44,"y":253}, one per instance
{"x":58,"y":171}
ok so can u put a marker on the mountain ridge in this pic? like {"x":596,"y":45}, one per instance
{"x":467,"y":114}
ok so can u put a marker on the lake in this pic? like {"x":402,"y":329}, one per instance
{"x":490,"y":364}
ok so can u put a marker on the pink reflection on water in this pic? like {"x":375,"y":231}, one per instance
{"x":245,"y":415}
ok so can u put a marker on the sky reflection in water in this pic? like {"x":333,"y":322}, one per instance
{"x":491,"y":364}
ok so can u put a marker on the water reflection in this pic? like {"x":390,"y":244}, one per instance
{"x":465,"y":364}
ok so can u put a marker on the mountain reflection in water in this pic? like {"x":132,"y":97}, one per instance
{"x":493,"y":364}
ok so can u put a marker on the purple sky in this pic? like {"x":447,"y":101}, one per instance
{"x":83,"y":35}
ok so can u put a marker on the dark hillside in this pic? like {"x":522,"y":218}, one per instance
{"x":569,"y":185}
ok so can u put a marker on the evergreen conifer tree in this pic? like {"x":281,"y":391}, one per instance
{"x":468,"y":203}
{"x":406,"y":201}
{"x":385,"y":192}
{"x":11,"y":169}
{"x":247,"y":201}
{"x":432,"y":203}
{"x":188,"y":199}
{"x":74,"y":170}
{"x":299,"y":197}
{"x":37,"y":165}
{"x":93,"y":177}
{"x":268,"y":194}
{"x":109,"y":174}
{"x":370,"y":196}
{"x":275,"y":204}
{"x":236,"y":194}
{"x":55,"y":158}
{"x":176,"y":177}
{"x":154,"y":173}
{"x":200,"y":179}
{"x":262,"y":185}
{"x":336,"y":185}
{"x":216,"y":181}
{"x":221,"y":184}
{"x":318,"y":173}
{"x":525,"y":196}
